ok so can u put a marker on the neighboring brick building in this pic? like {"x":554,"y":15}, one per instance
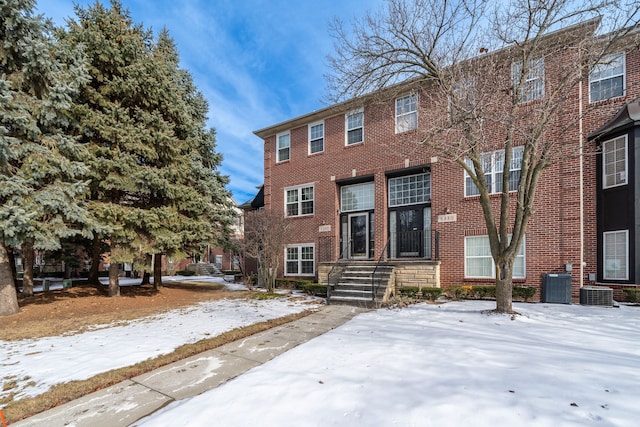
{"x":356,"y":185}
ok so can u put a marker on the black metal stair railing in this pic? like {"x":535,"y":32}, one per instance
{"x":330,"y":284}
{"x":375,"y":286}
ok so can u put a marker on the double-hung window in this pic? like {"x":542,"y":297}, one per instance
{"x":406,"y":113}
{"x":478,"y":262}
{"x":316,"y":138}
{"x":528,"y":83}
{"x":284,"y":145}
{"x":354,"y":125}
{"x":606,"y":79}
{"x":493,"y":165}
{"x":299,"y":200}
{"x":462,"y":100}
{"x":616,"y":255}
{"x":614,"y":162}
{"x":300,"y":260}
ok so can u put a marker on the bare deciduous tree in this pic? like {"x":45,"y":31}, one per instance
{"x":265,"y":234}
{"x":485,"y":99}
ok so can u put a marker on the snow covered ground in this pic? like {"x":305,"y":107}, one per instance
{"x":56,"y":283}
{"x":38,"y":364}
{"x":442,"y":365}
{"x":427,"y":365}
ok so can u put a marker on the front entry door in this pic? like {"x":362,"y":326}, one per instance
{"x":359,"y":235}
{"x":409,"y":232}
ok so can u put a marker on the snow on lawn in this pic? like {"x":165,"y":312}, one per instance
{"x":41,"y":363}
{"x":442,"y":365}
{"x":57,"y":283}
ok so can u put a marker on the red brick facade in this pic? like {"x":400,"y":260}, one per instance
{"x":553,"y":237}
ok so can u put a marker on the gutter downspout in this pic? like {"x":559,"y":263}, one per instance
{"x":581,"y":158}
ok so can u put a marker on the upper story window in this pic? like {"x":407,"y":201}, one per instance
{"x":493,"y":165}
{"x":409,"y":190}
{"x":357,"y":197}
{"x":406,"y":113}
{"x":532,"y":87}
{"x":284,"y":147}
{"x":316,"y":138}
{"x":354,"y":125}
{"x":462,"y":100}
{"x":614,"y":162}
{"x":606,"y":80}
{"x":299,"y":200}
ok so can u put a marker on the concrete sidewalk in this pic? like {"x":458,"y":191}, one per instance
{"x":126,"y":402}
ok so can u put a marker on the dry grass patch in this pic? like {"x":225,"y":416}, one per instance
{"x":73,"y":310}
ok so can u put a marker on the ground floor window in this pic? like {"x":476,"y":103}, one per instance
{"x":219,"y":261}
{"x":616,"y":255}
{"x":300,"y":260}
{"x":478,"y":262}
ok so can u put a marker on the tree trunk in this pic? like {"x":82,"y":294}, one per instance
{"x":157,"y":271}
{"x":94,"y":277}
{"x":504,"y":287}
{"x":145,"y":278}
{"x":269,"y":277}
{"x":12,"y":262}
{"x":67,"y":270}
{"x":28,"y":255}
{"x":8,"y":295}
{"x":114,"y":286}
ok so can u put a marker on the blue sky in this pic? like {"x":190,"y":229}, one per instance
{"x":258,"y":62}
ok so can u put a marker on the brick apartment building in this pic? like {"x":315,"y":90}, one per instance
{"x":357,"y":186}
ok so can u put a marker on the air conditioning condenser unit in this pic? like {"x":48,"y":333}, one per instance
{"x":556,"y":288}
{"x":596,"y":295}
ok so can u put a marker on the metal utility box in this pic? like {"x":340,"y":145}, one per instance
{"x":556,"y":288}
{"x":596,"y":295}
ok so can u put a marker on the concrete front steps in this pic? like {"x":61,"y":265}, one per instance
{"x":204,"y":269}
{"x":352,"y":283}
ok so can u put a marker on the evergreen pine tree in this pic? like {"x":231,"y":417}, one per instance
{"x":195,"y":203}
{"x":153,"y":163}
{"x":41,"y":190}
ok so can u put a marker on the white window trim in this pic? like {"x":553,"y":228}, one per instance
{"x":406,"y":114}
{"x":626,"y":162}
{"x":347,"y":129}
{"x":523,"y":249}
{"x":515,"y":79}
{"x":604,"y":255}
{"x":321,"y":122}
{"x":624,"y":76}
{"x":299,"y":189}
{"x":278,"y":160}
{"x":494,"y":172}
{"x":300,"y":246}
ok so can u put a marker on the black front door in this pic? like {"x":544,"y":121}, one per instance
{"x":409,"y":232}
